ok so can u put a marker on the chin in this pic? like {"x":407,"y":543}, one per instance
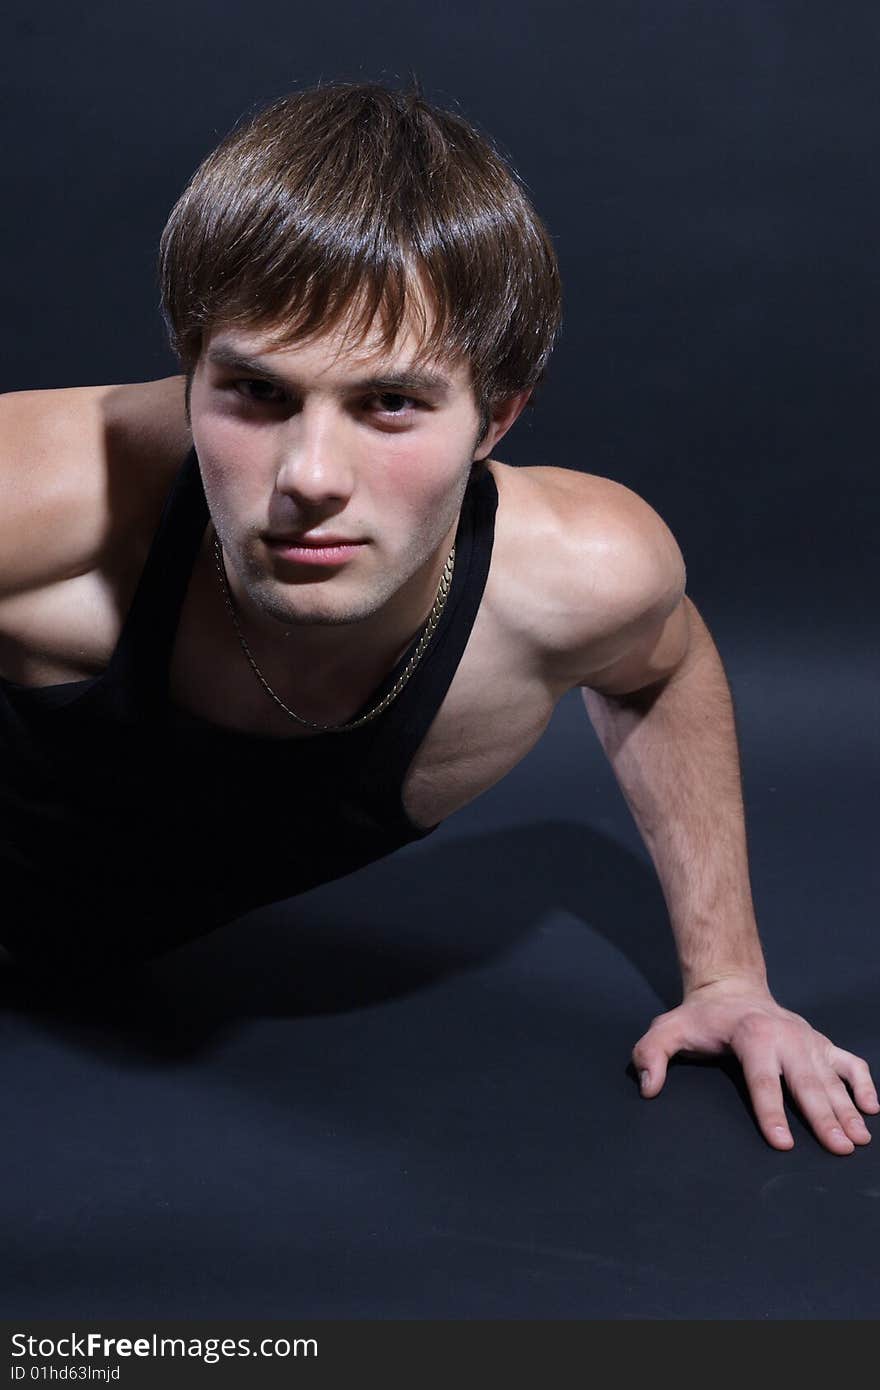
{"x":316,"y":610}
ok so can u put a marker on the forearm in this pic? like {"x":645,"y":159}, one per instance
{"x":674,"y":752}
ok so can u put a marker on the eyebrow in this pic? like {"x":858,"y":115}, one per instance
{"x":223,"y":356}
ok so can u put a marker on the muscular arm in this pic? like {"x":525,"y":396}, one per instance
{"x":656,"y":693}
{"x":673,"y":749}
{"x":81,"y":468}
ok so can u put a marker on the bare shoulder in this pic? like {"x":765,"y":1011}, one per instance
{"x":79,"y":467}
{"x":589,"y":561}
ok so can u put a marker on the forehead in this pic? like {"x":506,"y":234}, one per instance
{"x":338,"y":356}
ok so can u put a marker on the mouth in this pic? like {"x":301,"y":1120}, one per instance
{"x":313,"y":552}
{"x":320,"y":539}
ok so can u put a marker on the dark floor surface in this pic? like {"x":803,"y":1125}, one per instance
{"x":406,"y":1094}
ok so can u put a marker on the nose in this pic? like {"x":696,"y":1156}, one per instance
{"x":316,"y":465}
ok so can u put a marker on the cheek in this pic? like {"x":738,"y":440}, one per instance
{"x":231,"y":462}
{"x":216,"y":476}
{"x":228,"y":445}
{"x":419,"y":477}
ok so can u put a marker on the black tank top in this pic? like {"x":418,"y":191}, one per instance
{"x":128,"y":827}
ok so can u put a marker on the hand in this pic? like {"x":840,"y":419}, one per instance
{"x":740,"y":1015}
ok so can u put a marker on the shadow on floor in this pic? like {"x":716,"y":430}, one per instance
{"x":389,"y":929}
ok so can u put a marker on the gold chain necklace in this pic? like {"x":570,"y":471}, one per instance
{"x":433,"y":619}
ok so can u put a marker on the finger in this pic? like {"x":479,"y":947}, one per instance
{"x":848,"y":1116}
{"x":856,"y":1071}
{"x":761,"y":1072}
{"x":812,"y":1098}
{"x":651,"y":1055}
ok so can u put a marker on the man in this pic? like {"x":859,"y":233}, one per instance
{"x":266,"y":621}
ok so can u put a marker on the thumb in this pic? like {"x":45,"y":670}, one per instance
{"x":650,"y":1057}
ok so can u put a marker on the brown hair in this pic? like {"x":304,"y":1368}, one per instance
{"x":327,"y":201}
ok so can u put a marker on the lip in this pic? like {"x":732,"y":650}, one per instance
{"x":323,"y":551}
{"x":321,"y":540}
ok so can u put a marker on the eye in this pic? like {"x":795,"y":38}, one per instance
{"x":259,"y":399}
{"x":261,"y":392}
{"x":395,"y":398}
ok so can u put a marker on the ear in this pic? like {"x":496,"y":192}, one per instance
{"x":503,"y":415}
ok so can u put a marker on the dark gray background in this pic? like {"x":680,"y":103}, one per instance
{"x":416,"y":1104}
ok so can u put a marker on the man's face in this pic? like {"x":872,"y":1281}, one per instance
{"x":327,"y":438}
